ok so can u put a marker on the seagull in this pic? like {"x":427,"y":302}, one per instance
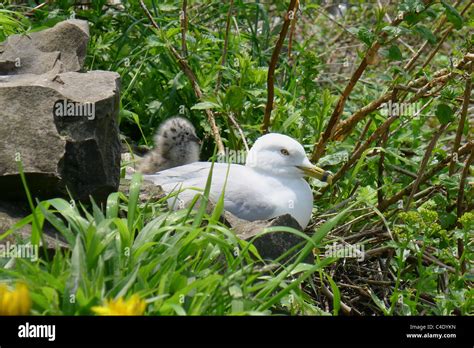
{"x":176,"y":144}
{"x":270,"y":184}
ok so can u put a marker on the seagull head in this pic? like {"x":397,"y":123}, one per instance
{"x":177,"y":141}
{"x":177,"y":130}
{"x":280,"y":155}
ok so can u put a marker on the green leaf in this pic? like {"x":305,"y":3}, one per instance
{"x":394,"y":53}
{"x":425,"y":33}
{"x":112,"y":208}
{"x":444,"y":113}
{"x":336,"y":294}
{"x":333,"y":159}
{"x":167,"y":7}
{"x":379,"y":302}
{"x":134,"y":195}
{"x":235,"y":98}
{"x":453,"y":15}
{"x":395,"y":31}
{"x":205,"y":105}
{"x":363,"y":34}
{"x":411,"y":6}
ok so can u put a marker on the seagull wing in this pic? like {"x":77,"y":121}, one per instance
{"x":242,"y":196}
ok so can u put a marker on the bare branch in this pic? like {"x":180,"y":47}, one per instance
{"x":242,"y":135}
{"x":459,"y":203}
{"x":424,"y":163}
{"x":184,"y":27}
{"x":462,"y":120}
{"x":369,"y":59}
{"x":226,"y":44}
{"x":273,"y":62}
{"x":441,"y":165}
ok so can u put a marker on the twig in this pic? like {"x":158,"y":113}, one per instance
{"x":34,"y":9}
{"x":405,"y":191}
{"x":329,"y":131}
{"x":236,"y":125}
{"x":292,"y":31}
{"x":381,"y":166}
{"x":424,"y":163}
{"x":376,"y":252}
{"x":363,"y":134}
{"x":368,"y":59}
{"x":273,"y":62}
{"x":194,"y":83}
{"x":462,"y":120}
{"x":347,"y":125}
{"x":184,"y":28}
{"x":346,"y":30}
{"x":411,"y":64}
{"x":459,"y":206}
{"x":375,"y":232}
{"x":440,"y":77}
{"x":226,"y":45}
{"x":431,"y":259}
{"x":382,"y":143}
{"x":402,"y":170}
{"x":409,"y":119}
{"x":355,"y":156}
{"x":438,"y":46}
{"x":345,"y":308}
{"x":443,"y":38}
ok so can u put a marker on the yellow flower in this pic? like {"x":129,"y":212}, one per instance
{"x":133,"y":306}
{"x":14,"y":302}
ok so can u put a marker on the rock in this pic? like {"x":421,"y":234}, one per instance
{"x":7,"y":66}
{"x":10,"y":215}
{"x":63,"y":47}
{"x":81,"y":153}
{"x":149,"y":192}
{"x":271,"y":245}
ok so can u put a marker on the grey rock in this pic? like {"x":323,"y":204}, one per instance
{"x":149,"y":192}
{"x":63,"y":47}
{"x":7,"y":66}
{"x":270,"y":245}
{"x":80,"y":153}
{"x":11,"y":214}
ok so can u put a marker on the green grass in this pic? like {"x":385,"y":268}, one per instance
{"x":182,"y":263}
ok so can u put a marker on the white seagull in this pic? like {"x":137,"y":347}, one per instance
{"x":271,"y":183}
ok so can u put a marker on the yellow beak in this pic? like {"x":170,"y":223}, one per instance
{"x":316,"y":172}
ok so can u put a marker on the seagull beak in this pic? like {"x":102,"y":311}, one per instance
{"x":311,"y":170}
{"x":193,"y":137}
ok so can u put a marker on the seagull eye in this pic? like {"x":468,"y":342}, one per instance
{"x":284,"y":152}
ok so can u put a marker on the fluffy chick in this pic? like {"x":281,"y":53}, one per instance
{"x":176,"y":144}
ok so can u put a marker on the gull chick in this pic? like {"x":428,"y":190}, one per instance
{"x":176,"y":144}
{"x":271,"y":183}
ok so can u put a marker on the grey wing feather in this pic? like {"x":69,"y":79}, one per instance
{"x":180,"y":174}
{"x":240,"y":197}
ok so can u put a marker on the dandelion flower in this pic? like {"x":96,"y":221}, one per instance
{"x":133,"y":306}
{"x":16,"y":301}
